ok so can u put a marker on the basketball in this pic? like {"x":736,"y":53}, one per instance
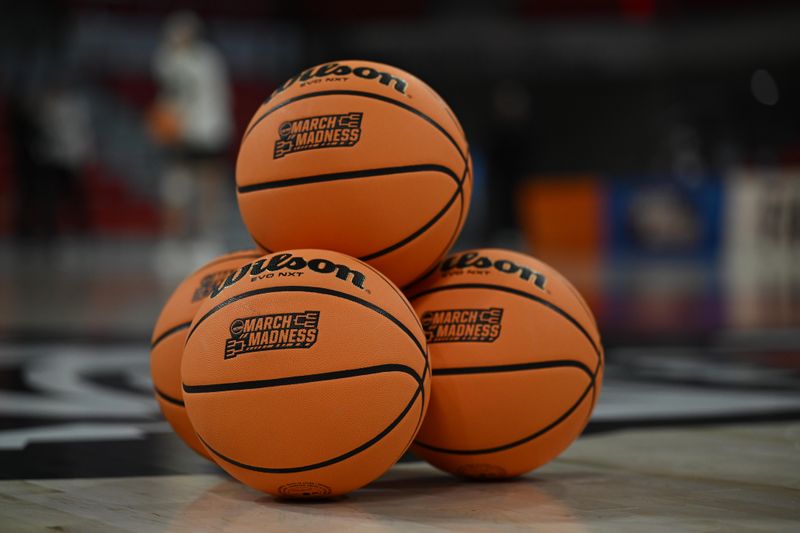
{"x":169,"y":336}
{"x":357,"y":157}
{"x":306,"y":374}
{"x":517,"y":364}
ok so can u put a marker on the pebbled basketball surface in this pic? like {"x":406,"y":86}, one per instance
{"x":307,"y":374}
{"x":394,"y":193}
{"x":517,"y":363}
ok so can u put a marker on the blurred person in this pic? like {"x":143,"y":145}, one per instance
{"x":192,"y":118}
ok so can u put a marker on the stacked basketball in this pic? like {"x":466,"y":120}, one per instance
{"x":304,"y":370}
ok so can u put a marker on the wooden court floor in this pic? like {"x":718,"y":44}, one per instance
{"x":718,"y":478}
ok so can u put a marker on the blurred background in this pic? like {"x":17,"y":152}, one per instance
{"x":650,"y":149}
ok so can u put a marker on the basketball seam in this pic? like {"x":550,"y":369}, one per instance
{"x":328,"y":462}
{"x":518,"y":367}
{"x":397,"y":291}
{"x":318,"y":290}
{"x":432,"y":268}
{"x":594,"y":388}
{"x":363,"y":94}
{"x":346,"y":175}
{"x":422,"y":407}
{"x":459,"y":192}
{"x":169,"y":332}
{"x":302,"y":379}
{"x":169,"y":398}
{"x":518,"y":442}
{"x":357,"y":174}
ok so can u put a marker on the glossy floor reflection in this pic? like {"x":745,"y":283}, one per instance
{"x":731,"y":478}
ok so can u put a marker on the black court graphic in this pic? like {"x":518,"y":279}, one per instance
{"x":280,"y":331}
{"x":462,"y":325}
{"x":324,"y":131}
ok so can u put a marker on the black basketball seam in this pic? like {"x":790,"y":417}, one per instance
{"x":327,"y":462}
{"x":302,"y":379}
{"x":422,"y":407}
{"x":458,"y":193}
{"x":347,"y":175}
{"x":594,"y":388}
{"x":447,"y":109}
{"x":517,"y":367}
{"x":518,"y":442}
{"x":421,"y":410}
{"x":581,"y":301}
{"x":537,"y":299}
{"x":438,"y":216}
{"x":397,"y":291}
{"x":169,"y":398}
{"x":432,"y":268}
{"x":318,"y":290}
{"x":169,"y":332}
{"x":364,"y":95}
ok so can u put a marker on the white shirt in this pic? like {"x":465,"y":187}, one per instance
{"x":194,"y":83}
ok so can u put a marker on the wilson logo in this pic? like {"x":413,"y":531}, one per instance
{"x":326,"y":131}
{"x":472,"y":260}
{"x":209,"y":283}
{"x":291,"y":265}
{"x":462,"y":325}
{"x":335,"y":70}
{"x":281,"y":331}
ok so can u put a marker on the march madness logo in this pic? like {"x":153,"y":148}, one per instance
{"x":272,"y":332}
{"x":209,"y":283}
{"x":462,"y":325}
{"x":326,"y":131}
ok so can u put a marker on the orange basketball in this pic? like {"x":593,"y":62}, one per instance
{"x":517,"y":364}
{"x":169,"y":336}
{"x":358,"y":157}
{"x":306,"y":375}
